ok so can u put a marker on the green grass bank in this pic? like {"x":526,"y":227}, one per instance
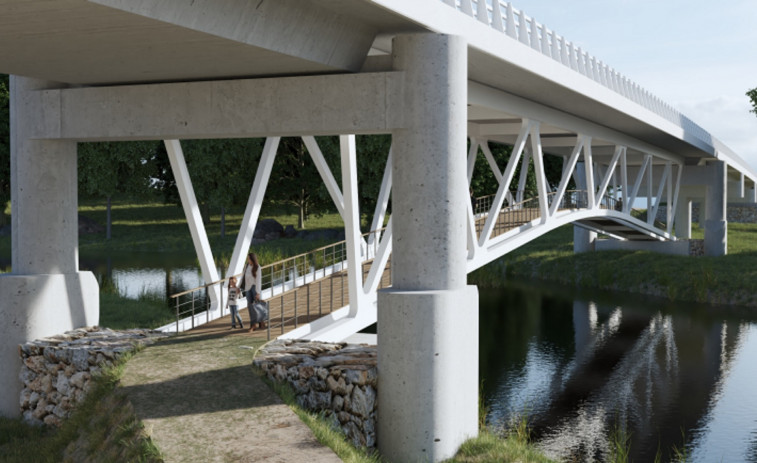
{"x":726,"y":280}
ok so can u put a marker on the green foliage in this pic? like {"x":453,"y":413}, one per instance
{"x":323,"y":428}
{"x":5,"y":149}
{"x":295,"y":179}
{"x":484,"y":182}
{"x":752,"y":94}
{"x":109,"y":168}
{"x":492,"y":447}
{"x":620,"y":445}
{"x":222,"y":171}
{"x":120,"y":313}
{"x":725,"y":280}
{"x":372,"y":153}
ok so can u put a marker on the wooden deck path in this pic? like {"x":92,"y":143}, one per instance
{"x":298,"y":306}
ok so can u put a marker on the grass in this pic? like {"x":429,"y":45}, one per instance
{"x":118,"y":313}
{"x":719,"y":280}
{"x":159,"y":227}
{"x":324,"y":430}
{"x":103,"y":428}
{"x":489,"y":446}
{"x":494,"y":447}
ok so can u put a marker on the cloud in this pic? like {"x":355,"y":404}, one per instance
{"x":729,"y":120}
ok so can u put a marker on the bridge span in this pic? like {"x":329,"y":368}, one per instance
{"x":438,"y":75}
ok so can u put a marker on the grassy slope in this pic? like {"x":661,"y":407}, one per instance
{"x":722,"y":280}
{"x":104,"y":428}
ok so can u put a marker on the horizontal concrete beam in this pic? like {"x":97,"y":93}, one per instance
{"x":489,"y":97}
{"x":313,"y":105}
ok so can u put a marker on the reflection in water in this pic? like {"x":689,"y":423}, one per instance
{"x":138,"y":274}
{"x":582,"y":370}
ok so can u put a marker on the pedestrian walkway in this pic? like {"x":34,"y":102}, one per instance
{"x":200,"y":400}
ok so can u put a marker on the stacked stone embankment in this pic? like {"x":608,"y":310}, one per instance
{"x":57,"y":371}
{"x":338,"y":380}
{"x":735,"y":213}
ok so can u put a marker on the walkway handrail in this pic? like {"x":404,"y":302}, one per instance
{"x":513,"y":23}
{"x":280,"y":277}
{"x":517,"y":214}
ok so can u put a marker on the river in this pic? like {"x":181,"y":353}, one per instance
{"x":585,"y":366}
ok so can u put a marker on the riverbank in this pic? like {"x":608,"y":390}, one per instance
{"x":726,"y":280}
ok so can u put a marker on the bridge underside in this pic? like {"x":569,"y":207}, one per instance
{"x":170,"y":70}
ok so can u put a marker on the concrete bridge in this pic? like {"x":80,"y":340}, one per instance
{"x":435,"y":74}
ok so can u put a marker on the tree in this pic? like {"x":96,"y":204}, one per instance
{"x":222,"y":172}
{"x":371,"y":153}
{"x":752,"y":94}
{"x":5,"y":148}
{"x":296,"y":181}
{"x":109,"y":168}
{"x":485,"y":183}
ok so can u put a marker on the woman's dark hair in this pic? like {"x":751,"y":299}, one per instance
{"x":255,"y":265}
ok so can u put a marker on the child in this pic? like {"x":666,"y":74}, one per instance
{"x":231,"y":303}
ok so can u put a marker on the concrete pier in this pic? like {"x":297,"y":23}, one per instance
{"x":45,"y":294}
{"x":428,"y":381}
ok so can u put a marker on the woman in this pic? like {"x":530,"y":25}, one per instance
{"x":249,"y":285}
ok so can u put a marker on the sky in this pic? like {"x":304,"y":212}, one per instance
{"x":699,"y":56}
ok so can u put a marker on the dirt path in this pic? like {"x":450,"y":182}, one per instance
{"x":200,"y":401}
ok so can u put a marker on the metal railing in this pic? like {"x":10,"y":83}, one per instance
{"x":518,"y":214}
{"x":513,"y":23}
{"x":319,"y":274}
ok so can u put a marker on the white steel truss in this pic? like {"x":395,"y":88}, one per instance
{"x":606,"y":195}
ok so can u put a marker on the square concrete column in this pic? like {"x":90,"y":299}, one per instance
{"x":683,"y":219}
{"x":428,"y":320}
{"x":45,"y":294}
{"x":583,"y":240}
{"x":715,"y":224}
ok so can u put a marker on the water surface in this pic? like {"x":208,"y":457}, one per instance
{"x":583,"y":367}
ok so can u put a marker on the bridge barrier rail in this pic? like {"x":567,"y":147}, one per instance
{"x":515,"y":24}
{"x":325,"y":266}
{"x":517,"y":214}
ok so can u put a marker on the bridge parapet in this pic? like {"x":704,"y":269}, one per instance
{"x":515,"y":24}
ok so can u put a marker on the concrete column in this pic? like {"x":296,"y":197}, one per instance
{"x":715,"y":224}
{"x":683,"y":219}
{"x":428,"y":320}
{"x":583,"y":239}
{"x":45,"y":294}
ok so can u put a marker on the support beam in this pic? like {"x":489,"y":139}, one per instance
{"x":252,"y":211}
{"x":328,"y":178}
{"x":224,"y":109}
{"x":194,"y":219}
{"x":428,"y":320}
{"x":382,"y":203}
{"x":351,"y":222}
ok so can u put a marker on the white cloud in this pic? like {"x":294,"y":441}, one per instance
{"x":729,"y":120}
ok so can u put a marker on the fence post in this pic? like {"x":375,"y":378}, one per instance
{"x":177,"y":315}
